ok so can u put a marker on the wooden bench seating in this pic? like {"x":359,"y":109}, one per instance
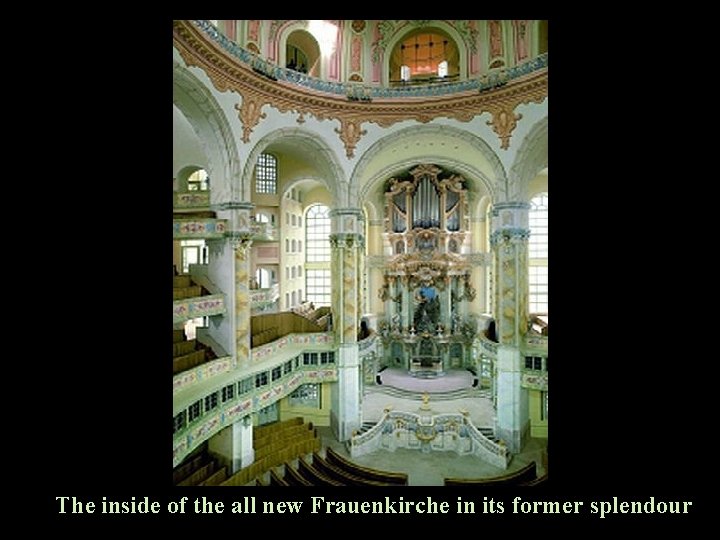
{"x":525,"y":474}
{"x":339,"y":461}
{"x":347,"y":479}
{"x":315,"y":477}
{"x":294,"y":478}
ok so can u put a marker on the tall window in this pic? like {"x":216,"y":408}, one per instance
{"x":317,"y":255}
{"x":538,"y":254}
{"x":266,"y":174}
{"x":317,"y":234}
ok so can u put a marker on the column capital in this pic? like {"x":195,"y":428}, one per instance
{"x":347,"y":220}
{"x":509,"y":236}
{"x":239,"y":240}
{"x":347,"y":240}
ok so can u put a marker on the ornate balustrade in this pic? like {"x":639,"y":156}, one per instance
{"x":262,"y":298}
{"x":247,"y":397}
{"x":356,"y":91}
{"x":426,"y":432}
{"x":191,"y":199}
{"x":200,"y":306}
{"x":189,"y":228}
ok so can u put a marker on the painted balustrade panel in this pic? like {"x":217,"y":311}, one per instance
{"x":199,"y":228}
{"x":535,"y":380}
{"x":270,"y":349}
{"x":184,"y":380}
{"x":201,"y":306}
{"x":208,"y":424}
{"x":191,"y":199}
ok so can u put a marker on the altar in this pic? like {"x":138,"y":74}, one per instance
{"x":427,"y":328}
{"x":426,"y":367}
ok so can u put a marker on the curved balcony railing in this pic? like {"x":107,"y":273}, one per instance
{"x":248,"y":397}
{"x":200,"y":306}
{"x":191,"y":199}
{"x":360,"y":92}
{"x":441,"y":432}
{"x":189,"y":228}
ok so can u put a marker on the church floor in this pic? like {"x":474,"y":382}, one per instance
{"x":430,"y":469}
{"x":404,"y":393}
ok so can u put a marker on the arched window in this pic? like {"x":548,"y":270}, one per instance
{"x":317,"y":255}
{"x":266,"y":174}
{"x":538,"y":254}
{"x":198,"y":181}
{"x":317,"y":234}
{"x":424,"y":55}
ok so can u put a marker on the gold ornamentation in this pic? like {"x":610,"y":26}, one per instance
{"x":350,"y":134}
{"x":229,"y":74}
{"x":250,"y":115}
{"x":356,"y":78}
{"x":503,"y":122}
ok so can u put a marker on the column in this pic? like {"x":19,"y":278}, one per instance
{"x":347,"y":244}
{"x":233,"y":446}
{"x":241,"y":239}
{"x":509,"y":245}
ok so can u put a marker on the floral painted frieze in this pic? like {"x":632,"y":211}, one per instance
{"x":192,"y":199}
{"x":535,"y":381}
{"x":194,"y":228}
{"x":202,"y":306}
{"x":202,"y":372}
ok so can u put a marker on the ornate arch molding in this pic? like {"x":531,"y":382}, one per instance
{"x":258,"y":90}
{"x":319,"y":154}
{"x":208,"y":120}
{"x":531,"y":158}
{"x":492,"y":185}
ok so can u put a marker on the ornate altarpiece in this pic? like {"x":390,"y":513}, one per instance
{"x":426,"y":280}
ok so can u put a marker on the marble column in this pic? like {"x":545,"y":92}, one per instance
{"x":347,"y":244}
{"x":509,"y":246}
{"x":233,"y":446}
{"x":241,"y":239}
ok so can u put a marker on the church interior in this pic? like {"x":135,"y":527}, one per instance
{"x":360,"y":252}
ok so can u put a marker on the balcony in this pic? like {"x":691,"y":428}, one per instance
{"x":189,"y":228}
{"x":200,"y":306}
{"x":264,"y":299}
{"x":263,"y":232}
{"x":191,"y":200}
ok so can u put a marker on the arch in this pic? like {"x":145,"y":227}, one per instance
{"x":399,"y":57}
{"x":407,"y":30}
{"x":184,"y":173}
{"x":284,"y":32}
{"x":197,"y":104}
{"x":531,"y":158}
{"x":493,"y":186}
{"x":302,"y":39}
{"x":318,"y":152}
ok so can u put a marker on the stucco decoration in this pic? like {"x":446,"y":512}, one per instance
{"x":258,"y":87}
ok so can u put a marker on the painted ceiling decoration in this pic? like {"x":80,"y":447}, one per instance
{"x":497,"y":94}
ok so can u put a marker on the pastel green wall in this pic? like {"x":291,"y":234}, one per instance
{"x":538,"y":427}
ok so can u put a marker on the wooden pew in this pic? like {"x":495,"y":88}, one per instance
{"x":293,"y":478}
{"x":393,"y":478}
{"x":525,"y":474}
{"x":331,"y":471}
{"x":314,"y":476}
{"x":275,"y":480}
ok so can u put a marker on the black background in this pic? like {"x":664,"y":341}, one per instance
{"x":626,"y":414}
